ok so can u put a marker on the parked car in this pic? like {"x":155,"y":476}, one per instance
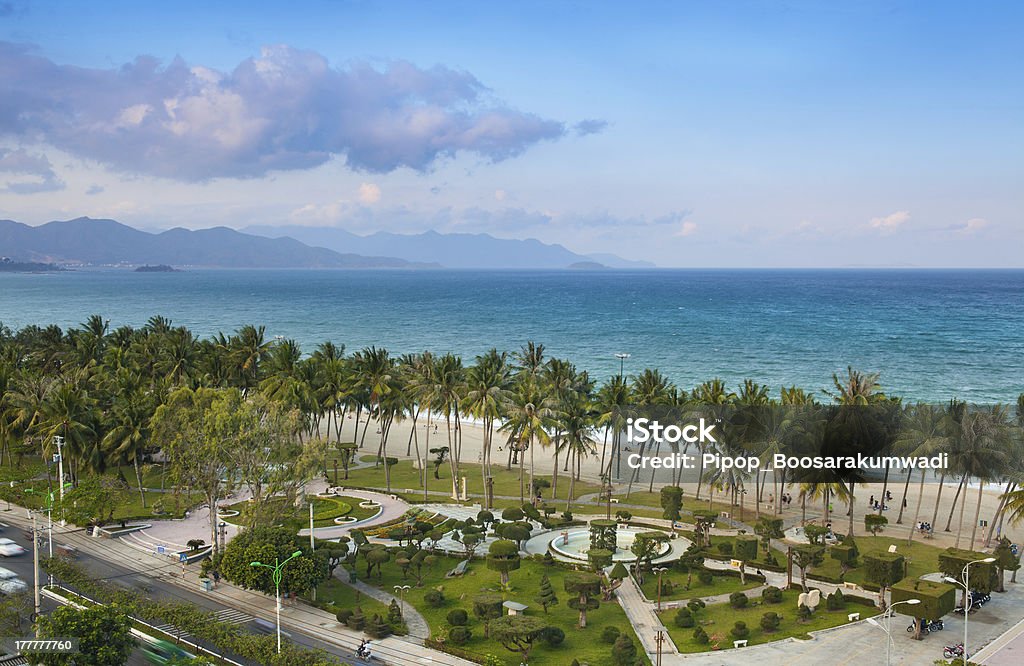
{"x":9,"y":548}
{"x":10,"y":583}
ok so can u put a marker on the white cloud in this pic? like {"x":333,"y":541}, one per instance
{"x":971,"y":226}
{"x":369,"y":193}
{"x":34,"y":171}
{"x":499,"y":195}
{"x":687,"y":229}
{"x":890,"y":222}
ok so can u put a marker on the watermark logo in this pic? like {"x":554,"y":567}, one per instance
{"x":644,"y":430}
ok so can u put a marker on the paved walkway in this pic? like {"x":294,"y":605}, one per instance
{"x":416,"y":623}
{"x":643,"y":617}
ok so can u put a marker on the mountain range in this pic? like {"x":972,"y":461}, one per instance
{"x":99,"y":242}
{"x":452,"y":250}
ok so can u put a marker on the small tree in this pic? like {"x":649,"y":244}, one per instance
{"x":599,"y":558}
{"x":846,"y":554}
{"x":518,"y":633}
{"x":816,"y":534}
{"x":623,"y":651}
{"x":487,"y":607}
{"x":613,"y":581}
{"x":805,"y":558}
{"x":585,"y":587}
{"x":952,"y":562}
{"x":936,"y":599}
{"x":671,"y":503}
{"x":684,"y":618}
{"x":503,"y":557}
{"x":770,"y":622}
{"x":768,"y":528}
{"x":547,"y":596}
{"x":1005,"y":561}
{"x":884,"y":570}
{"x":646,"y":547}
{"x":739,"y":630}
{"x":703,"y":521}
{"x":690,"y":561}
{"x":771,"y":595}
{"x":875,"y":523}
{"x":744,"y":551}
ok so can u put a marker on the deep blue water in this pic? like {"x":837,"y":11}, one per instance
{"x":931,"y":334}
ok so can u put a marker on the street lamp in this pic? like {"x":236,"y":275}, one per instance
{"x":966,"y":584}
{"x":622,"y":356}
{"x":888,"y":624}
{"x":401,"y":590}
{"x":659,"y":571}
{"x":276,"y":569}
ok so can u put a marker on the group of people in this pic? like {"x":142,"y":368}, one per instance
{"x":924,"y":528}
{"x":784,"y":498}
{"x":876,"y":505}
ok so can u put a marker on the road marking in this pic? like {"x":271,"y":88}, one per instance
{"x":232,"y":616}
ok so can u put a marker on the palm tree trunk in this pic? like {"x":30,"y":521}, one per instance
{"x":426,"y":452}
{"x":636,"y":474}
{"x":412,"y":435}
{"x":657,"y":450}
{"x":533,"y":488}
{"x":572,"y":488}
{"x":997,"y":517}
{"x":853,"y":486}
{"x":960,"y":527}
{"x":138,"y":477}
{"x":977,"y":512}
{"x":885,"y":488}
{"x":917,"y":509}
{"x":938,"y":496}
{"x":949,"y":521}
{"x":903,"y":501}
{"x":604,"y":447}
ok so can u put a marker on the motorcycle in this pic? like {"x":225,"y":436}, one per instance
{"x":951,"y":651}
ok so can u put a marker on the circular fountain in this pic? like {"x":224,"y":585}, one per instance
{"x":574,"y":544}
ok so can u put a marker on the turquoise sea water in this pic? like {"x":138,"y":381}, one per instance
{"x":931,"y":334}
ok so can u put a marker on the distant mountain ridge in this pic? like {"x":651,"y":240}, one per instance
{"x":451,"y":250}
{"x":89,"y":241}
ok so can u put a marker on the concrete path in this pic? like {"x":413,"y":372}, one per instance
{"x":644,"y":619}
{"x":416,"y":623}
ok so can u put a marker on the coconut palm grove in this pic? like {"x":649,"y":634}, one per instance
{"x":481,"y":510}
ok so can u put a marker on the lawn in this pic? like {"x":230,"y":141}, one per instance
{"x":921,"y":558}
{"x":405,"y":477}
{"x":720,"y":584}
{"x":325,"y":510}
{"x":718,"y":619}
{"x":332,"y":595}
{"x":582,"y":644}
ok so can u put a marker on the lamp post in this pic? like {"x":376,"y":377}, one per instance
{"x":659,"y":571}
{"x":276,"y":568}
{"x":401,"y":590}
{"x":622,"y":356}
{"x":966,"y":584}
{"x":888,"y":625}
{"x":60,"y":471}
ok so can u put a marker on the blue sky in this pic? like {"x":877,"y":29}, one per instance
{"x":686,"y":133}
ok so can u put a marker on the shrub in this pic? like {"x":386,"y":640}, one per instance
{"x":609,"y":634}
{"x":684,"y":618}
{"x":738,"y":600}
{"x":725,"y":548}
{"x":458,"y":617}
{"x":770,"y":621}
{"x":700,"y":636}
{"x":772,"y":595}
{"x":552,"y":636}
{"x":804,"y":613}
{"x":666,"y":586}
{"x":739,"y":630}
{"x":343,"y":615}
{"x":705,"y":577}
{"x":377,"y":627}
{"x":623,"y":652}
{"x":695,"y":605}
{"x":459,"y":635}
{"x":357,"y":620}
{"x":835,"y":601}
{"x":434,"y":598}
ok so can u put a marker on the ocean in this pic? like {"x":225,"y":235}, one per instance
{"x":931,"y":334}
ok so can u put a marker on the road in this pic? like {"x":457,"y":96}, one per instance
{"x":152,"y":586}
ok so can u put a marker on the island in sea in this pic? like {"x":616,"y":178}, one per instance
{"x":8,"y":265}
{"x":160,"y":268}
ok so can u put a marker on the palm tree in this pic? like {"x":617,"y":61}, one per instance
{"x":527,"y":421}
{"x":981,"y":455}
{"x":487,"y":384}
{"x":576,"y":421}
{"x":129,"y":433}
{"x":450,"y":377}
{"x":924,"y":434}
{"x":650,"y":390}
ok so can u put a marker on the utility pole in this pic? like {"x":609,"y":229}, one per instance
{"x":35,"y":569}
{"x":659,"y":638}
{"x":60,"y":470}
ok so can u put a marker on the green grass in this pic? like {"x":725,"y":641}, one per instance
{"x":581,"y":644}
{"x":325,"y":510}
{"x":506,"y":482}
{"x":720,"y":584}
{"x":332,"y":595}
{"x":921,"y":558}
{"x":718,"y":619}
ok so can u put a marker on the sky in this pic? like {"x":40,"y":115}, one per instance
{"x":733,"y":134}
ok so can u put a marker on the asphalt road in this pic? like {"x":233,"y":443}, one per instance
{"x":153,"y":587}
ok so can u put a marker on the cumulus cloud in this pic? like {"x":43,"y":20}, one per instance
{"x":890,"y":222}
{"x":970,"y":227}
{"x":687,"y":229}
{"x":33,"y":173}
{"x":369,"y":193}
{"x":285,"y":109}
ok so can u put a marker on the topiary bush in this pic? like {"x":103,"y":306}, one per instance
{"x":552,"y":636}
{"x":459,"y":635}
{"x":770,"y":621}
{"x":705,"y":577}
{"x":684,"y":618}
{"x":434,"y":598}
{"x":377,"y":627}
{"x":343,"y":615}
{"x":725,"y":548}
{"x":695,"y":605}
{"x":739,"y":630}
{"x":700,"y":636}
{"x":458,"y":617}
{"x":771,"y":595}
{"x":609,"y":634}
{"x":835,"y":601}
{"x":623,"y":652}
{"x":738,"y":600}
{"x":357,"y":620}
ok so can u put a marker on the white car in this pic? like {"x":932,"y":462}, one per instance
{"x":10,"y":583}
{"x":8,"y":548}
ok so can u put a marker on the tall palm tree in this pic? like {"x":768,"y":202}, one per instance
{"x":487,"y":387}
{"x":924,"y":434}
{"x":576,"y":422}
